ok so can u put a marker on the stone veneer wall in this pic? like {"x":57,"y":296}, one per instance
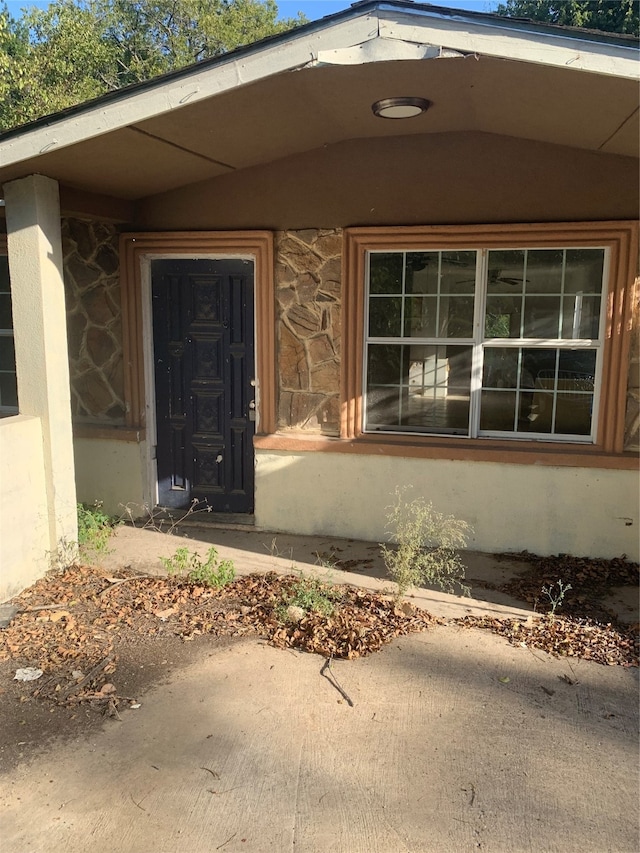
{"x":632,"y":420}
{"x":94,"y":323}
{"x":308,"y":281}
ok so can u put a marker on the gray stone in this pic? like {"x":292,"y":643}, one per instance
{"x":7,"y":612}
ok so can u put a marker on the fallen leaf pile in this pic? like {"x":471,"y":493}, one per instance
{"x":566,"y":637}
{"x":363,"y":623}
{"x":73,"y":624}
{"x":591,"y":580}
{"x":71,"y":621}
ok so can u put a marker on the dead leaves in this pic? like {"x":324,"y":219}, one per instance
{"x":363,"y":623}
{"x":566,"y":637}
{"x":76,"y":620}
{"x":590,"y":579}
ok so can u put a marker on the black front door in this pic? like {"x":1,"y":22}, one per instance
{"x":204,"y":375}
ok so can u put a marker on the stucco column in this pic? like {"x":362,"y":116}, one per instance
{"x":40,"y":331}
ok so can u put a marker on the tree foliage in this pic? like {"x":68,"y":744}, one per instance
{"x":612,"y":16}
{"x":74,"y":50}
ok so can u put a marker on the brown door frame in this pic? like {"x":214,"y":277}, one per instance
{"x":136,"y":252}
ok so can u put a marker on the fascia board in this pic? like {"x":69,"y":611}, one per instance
{"x":297,"y":52}
{"x":508,"y":42}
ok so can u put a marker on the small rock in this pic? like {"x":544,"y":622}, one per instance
{"x":7,"y":612}
{"x":28,"y":673}
{"x":295,"y":613}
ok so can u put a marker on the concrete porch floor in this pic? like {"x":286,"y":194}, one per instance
{"x":260,"y":551}
{"x":455,"y":741}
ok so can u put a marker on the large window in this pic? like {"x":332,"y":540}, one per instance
{"x":485,"y":342}
{"x":500,"y":343}
{"x":8,"y":385}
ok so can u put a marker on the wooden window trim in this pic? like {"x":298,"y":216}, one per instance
{"x":622,"y":240}
{"x":135,"y":246}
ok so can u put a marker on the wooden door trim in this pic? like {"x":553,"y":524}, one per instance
{"x":135,"y":247}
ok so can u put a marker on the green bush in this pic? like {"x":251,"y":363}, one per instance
{"x":95,"y":528}
{"x":210,"y":571}
{"x":427,"y":542}
{"x":310,"y":595}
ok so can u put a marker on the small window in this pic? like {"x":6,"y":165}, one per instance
{"x":8,"y":383}
{"x":503,"y":343}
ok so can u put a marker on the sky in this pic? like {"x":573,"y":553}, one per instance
{"x":313,"y":9}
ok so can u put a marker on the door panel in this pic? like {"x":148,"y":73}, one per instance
{"x":204,"y":370}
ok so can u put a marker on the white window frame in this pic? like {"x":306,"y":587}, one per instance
{"x":479,"y":344}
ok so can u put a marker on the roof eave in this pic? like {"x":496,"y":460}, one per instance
{"x":474,"y":33}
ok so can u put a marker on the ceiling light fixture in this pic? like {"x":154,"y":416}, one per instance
{"x":400,"y":107}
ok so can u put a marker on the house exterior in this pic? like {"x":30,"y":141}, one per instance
{"x":239,"y":283}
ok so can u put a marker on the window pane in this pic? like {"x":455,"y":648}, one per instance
{"x":541,"y":316}
{"x":8,"y":391}
{"x":533,"y":390}
{"x":506,"y":271}
{"x":544,"y":270}
{"x":422,"y":272}
{"x":420,"y":316}
{"x":4,"y":274}
{"x":563,"y":396}
{"x":385,"y":272}
{"x":506,"y":368}
{"x":458,"y":272}
{"x":7,"y":354}
{"x":8,"y":384}
{"x":581,"y":316}
{"x":502,"y":317}
{"x":456,"y":317}
{"x":500,"y":368}
{"x":384,"y":317}
{"x":433,"y":394}
{"x":5,"y":311}
{"x":584,"y":271}
{"x":385,"y":366}
{"x":497,"y":411}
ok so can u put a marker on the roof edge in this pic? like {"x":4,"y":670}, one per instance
{"x":381,"y":8}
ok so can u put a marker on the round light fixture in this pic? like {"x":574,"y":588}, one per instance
{"x":400,"y":107}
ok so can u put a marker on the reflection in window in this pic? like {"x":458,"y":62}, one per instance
{"x":421,"y":387}
{"x":8,"y":383}
{"x":511,"y":346}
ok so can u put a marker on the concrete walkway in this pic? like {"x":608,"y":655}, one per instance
{"x":456,"y":741}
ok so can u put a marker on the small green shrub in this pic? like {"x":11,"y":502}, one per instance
{"x":311,"y":595}
{"x":210,"y":571}
{"x":95,"y":528}
{"x":427,"y":542}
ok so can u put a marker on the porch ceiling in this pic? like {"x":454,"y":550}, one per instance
{"x":314,"y":87}
{"x":314,"y":107}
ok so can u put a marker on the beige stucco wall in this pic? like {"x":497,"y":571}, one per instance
{"x":24,"y":520}
{"x":112,"y":472}
{"x":444,"y":178}
{"x":547,"y":510}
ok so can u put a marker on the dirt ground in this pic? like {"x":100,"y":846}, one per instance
{"x":532,"y":746}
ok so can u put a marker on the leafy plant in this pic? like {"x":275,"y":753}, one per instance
{"x":210,"y":571}
{"x":427,"y":542}
{"x":95,"y":528}
{"x":310,"y":595}
{"x":556,"y":596}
